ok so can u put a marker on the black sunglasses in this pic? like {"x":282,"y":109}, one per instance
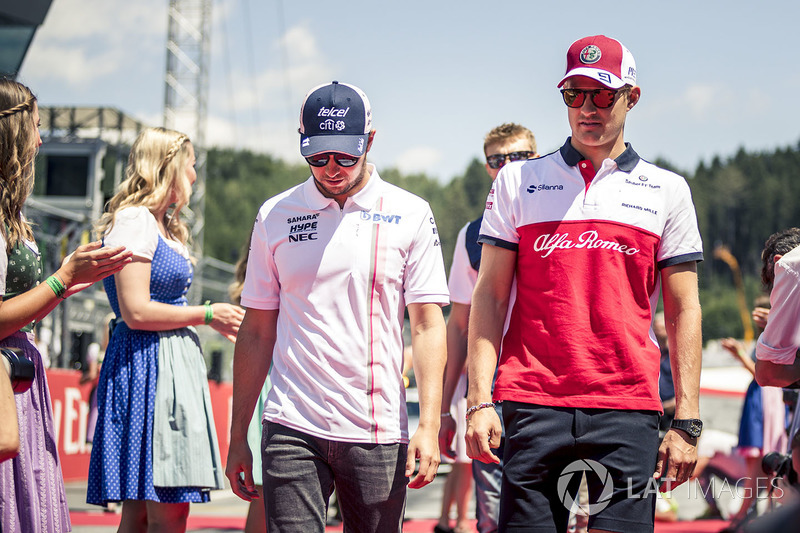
{"x":496,"y":161}
{"x":343,"y":160}
{"x":601,"y":98}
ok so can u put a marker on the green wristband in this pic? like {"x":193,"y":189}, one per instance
{"x":58,"y":288}
{"x":209,"y":312}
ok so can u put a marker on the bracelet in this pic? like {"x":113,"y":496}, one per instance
{"x":478,"y":407}
{"x":209,"y":312}
{"x":54,"y":283}
{"x":445,"y":415}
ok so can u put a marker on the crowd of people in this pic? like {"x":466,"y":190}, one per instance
{"x":553,"y":360}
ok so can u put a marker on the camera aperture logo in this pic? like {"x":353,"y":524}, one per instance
{"x":589,"y":467}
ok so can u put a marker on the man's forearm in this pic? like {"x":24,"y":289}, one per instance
{"x":686,"y":360}
{"x":429,"y":348}
{"x":251,"y":361}
{"x":769,"y":374}
{"x":456,"y":352}
{"x":485,"y":333}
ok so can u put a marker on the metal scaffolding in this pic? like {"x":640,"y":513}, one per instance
{"x":186,"y":101}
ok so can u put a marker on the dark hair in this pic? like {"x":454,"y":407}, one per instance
{"x":779,"y":243}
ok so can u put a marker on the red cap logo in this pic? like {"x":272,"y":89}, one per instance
{"x":590,"y":54}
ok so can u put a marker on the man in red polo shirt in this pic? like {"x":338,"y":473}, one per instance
{"x":590,"y":234}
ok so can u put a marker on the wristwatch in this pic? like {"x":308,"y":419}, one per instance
{"x":691,"y":426}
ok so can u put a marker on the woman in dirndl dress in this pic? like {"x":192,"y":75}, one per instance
{"x":32,"y":497}
{"x":155,"y":446}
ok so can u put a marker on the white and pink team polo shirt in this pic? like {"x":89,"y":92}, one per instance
{"x":779,"y":342}
{"x":590,"y":250}
{"x":462,"y":276}
{"x":341,"y":279}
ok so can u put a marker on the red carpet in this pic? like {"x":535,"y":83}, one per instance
{"x":236,"y":523}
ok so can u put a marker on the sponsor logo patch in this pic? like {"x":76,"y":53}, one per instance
{"x":333,"y":112}
{"x":548,"y":243}
{"x":544,"y":187}
{"x":590,"y":55}
{"x":303,"y":228}
{"x":380,"y":218}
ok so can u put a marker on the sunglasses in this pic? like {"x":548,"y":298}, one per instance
{"x":496,"y":161}
{"x":601,"y":98}
{"x":343,"y":160}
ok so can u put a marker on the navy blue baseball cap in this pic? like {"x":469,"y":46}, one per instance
{"x":335,"y":117}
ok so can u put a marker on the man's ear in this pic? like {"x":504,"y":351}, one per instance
{"x":371,"y":138}
{"x":633,"y":96}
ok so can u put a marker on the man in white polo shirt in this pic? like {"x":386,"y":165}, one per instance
{"x":590,"y":234}
{"x":334,"y":263}
{"x":777,"y":363}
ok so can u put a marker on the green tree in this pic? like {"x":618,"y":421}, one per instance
{"x":237,"y":183}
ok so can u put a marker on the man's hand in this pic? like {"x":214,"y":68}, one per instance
{"x":760,"y":317}
{"x":239,"y":470}
{"x":447,"y":432}
{"x":423,"y":447}
{"x":483,"y":433}
{"x":677,"y":457}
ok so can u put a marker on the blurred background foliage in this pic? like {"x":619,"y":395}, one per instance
{"x":740,"y":202}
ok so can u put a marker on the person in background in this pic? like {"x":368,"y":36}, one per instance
{"x":32,"y":497}
{"x":95,"y":353}
{"x":577,"y":246}
{"x":155,"y":446}
{"x":334,"y":263}
{"x":777,"y":363}
{"x":762,"y":425}
{"x":666,"y":388}
{"x":504,"y":143}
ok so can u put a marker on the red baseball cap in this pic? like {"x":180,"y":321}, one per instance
{"x":603,"y":59}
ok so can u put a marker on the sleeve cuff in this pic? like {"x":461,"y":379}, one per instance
{"x":779,"y":356}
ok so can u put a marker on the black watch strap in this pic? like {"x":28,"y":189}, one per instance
{"x":691,"y":426}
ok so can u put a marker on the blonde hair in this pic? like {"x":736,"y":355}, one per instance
{"x":506,"y":132}
{"x":156,"y":168}
{"x":239,"y":273}
{"x":17,"y":151}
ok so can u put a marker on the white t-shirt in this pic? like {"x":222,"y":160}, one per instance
{"x":341,"y":279}
{"x":137,"y":229}
{"x":781,"y":338}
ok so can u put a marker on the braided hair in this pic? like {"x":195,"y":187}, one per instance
{"x":156,"y":170}
{"x":18,"y":146}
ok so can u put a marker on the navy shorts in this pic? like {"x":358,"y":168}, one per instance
{"x":549,"y":449}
